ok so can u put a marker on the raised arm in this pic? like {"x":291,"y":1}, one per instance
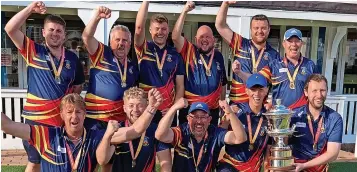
{"x":176,"y":32}
{"x":105,"y":150}
{"x":142,"y":123}
{"x":16,"y":129}
{"x":163,"y":132}
{"x":88,"y":33}
{"x":140,"y":22}
{"x":221,"y":22}
{"x":12,"y":27}
{"x":237,"y":135}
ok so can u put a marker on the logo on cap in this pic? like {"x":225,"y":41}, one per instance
{"x":199,"y":106}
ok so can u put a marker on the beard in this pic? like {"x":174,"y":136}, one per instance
{"x":317,"y":106}
{"x":205,"y":52}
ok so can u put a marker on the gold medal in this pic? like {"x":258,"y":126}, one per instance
{"x":255,"y":62}
{"x":314,"y":147}
{"x":208,"y":67}
{"x":293,"y":77}
{"x":57,"y":72}
{"x":160,"y":65}
{"x":161,"y":72}
{"x":133,"y":163}
{"x":58,"y":79}
{"x":124,"y":72}
{"x":251,"y":147}
{"x":208,"y":73}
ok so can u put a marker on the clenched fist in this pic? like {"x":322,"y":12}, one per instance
{"x":230,"y":2}
{"x":189,"y":6}
{"x":112,"y":127}
{"x":225,"y":107}
{"x":181,"y":103}
{"x":155,"y":98}
{"x":38,"y":7}
{"x":236,"y":67}
{"x":104,"y":12}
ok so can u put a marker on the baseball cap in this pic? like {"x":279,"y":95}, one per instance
{"x":199,"y":106}
{"x":292,"y":32}
{"x":256,"y":79}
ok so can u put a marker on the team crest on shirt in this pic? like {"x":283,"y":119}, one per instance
{"x":218,"y":66}
{"x":131,"y":70}
{"x":266,"y":55}
{"x":146,"y":141}
{"x":68,"y":64}
{"x":199,"y":61}
{"x":47,"y":57}
{"x":262,"y":132}
{"x":169,"y":58}
{"x":303,"y":70}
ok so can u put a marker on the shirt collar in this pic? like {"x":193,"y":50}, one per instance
{"x":249,"y":110}
{"x":267,"y":45}
{"x":322,"y":113}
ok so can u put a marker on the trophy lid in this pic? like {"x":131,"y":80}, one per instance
{"x":279,"y":109}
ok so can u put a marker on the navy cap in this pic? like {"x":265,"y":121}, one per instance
{"x":256,"y":79}
{"x":292,"y":32}
{"x":199,"y":106}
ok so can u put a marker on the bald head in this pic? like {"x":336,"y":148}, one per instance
{"x":204,"y":39}
{"x":204,"y":29}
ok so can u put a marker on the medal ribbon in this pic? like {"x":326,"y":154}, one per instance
{"x":74,"y":164}
{"x":56,"y":71}
{"x":159,"y":64}
{"x":207,"y":67}
{"x":131,"y":144}
{"x":200,"y":153}
{"x":255,"y":64}
{"x":123,"y":77}
{"x":316,"y":136}
{"x":252,"y":140}
{"x":292,"y":78}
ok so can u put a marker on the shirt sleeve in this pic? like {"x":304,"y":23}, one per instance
{"x":224,"y":79}
{"x":40,"y":137}
{"x":98,"y":137}
{"x":79,"y":76}
{"x":336,"y":131}
{"x":220,"y":134}
{"x":177,"y":136}
{"x":266,"y":71}
{"x":99,"y":53}
{"x":29,"y":50}
{"x":160,"y":146}
{"x":140,"y":49}
{"x":180,"y":67}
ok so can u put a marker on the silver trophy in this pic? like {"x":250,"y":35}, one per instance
{"x":279,"y":128}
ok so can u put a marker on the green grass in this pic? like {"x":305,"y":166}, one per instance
{"x":334,"y":167}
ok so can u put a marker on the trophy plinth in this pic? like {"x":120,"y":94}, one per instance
{"x":280,"y":158}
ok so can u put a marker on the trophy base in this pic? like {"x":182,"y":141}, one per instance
{"x":281,"y":162}
{"x":288,"y":168}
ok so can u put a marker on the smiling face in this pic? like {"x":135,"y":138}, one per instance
{"x":198,"y":122}
{"x":133,"y":108}
{"x":316,"y":93}
{"x":292,"y":47}
{"x":205,"y":39}
{"x":257,"y":95}
{"x":159,"y":29}
{"x":259,"y":31}
{"x":54,"y":34}
{"x":135,"y":102}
